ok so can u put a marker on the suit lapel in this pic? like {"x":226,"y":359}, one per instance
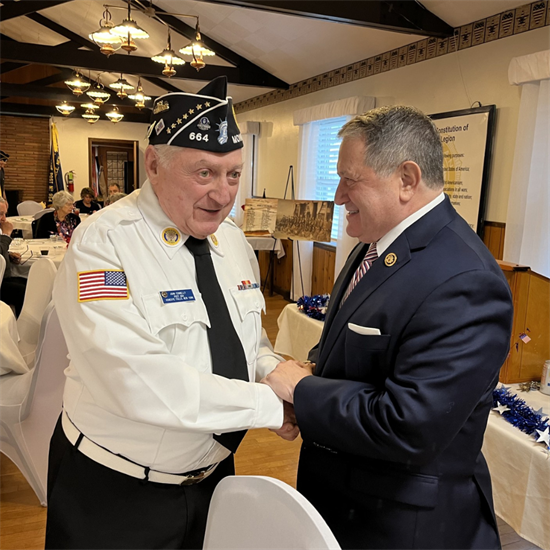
{"x":415,"y":237}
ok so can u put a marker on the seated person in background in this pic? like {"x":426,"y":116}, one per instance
{"x":87,"y":205}
{"x":113,"y":188}
{"x":61,"y":221}
{"x":114,"y":197}
{"x":12,"y":289}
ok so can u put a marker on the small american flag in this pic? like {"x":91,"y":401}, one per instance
{"x":102,"y":285}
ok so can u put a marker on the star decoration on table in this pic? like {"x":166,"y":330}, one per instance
{"x":544,"y":436}
{"x":505,"y":388}
{"x":500,"y":408}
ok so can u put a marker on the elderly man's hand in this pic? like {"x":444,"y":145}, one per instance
{"x":6,"y":227}
{"x":289,"y":430}
{"x":15,"y":258}
{"x":284,"y":378}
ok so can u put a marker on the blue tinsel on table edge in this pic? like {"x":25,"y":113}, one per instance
{"x":314,"y":306}
{"x":520,"y":415}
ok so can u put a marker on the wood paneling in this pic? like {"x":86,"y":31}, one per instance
{"x":531,"y":296}
{"x":493,"y":237}
{"x":324,"y":259}
{"x":282,"y":273}
{"x":27,"y":141}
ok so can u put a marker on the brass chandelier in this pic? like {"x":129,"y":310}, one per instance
{"x":110,"y":38}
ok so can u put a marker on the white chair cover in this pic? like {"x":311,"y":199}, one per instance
{"x":11,"y":360}
{"x":40,"y":213}
{"x":28,"y":208}
{"x":37,"y":296}
{"x":259,"y":512}
{"x":2,"y":268}
{"x":31,"y":403}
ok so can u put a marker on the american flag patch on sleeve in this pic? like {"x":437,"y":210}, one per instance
{"x":102,"y":285}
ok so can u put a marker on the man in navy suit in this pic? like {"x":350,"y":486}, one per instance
{"x":417,"y":329}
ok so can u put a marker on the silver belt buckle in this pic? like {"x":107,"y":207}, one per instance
{"x":192,"y":480}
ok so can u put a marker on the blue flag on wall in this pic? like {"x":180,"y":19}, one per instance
{"x":55,"y":182}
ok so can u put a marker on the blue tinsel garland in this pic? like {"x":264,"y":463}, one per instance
{"x":314,"y":306}
{"x":520,"y":414}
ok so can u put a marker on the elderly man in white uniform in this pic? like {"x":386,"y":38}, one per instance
{"x":151,"y":418}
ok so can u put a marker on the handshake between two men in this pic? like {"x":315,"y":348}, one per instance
{"x":283,"y":380}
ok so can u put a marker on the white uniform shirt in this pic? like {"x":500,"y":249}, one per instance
{"x":140,"y":380}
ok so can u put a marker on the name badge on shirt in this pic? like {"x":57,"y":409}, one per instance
{"x":173,"y":296}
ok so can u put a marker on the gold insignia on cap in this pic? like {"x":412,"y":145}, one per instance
{"x":161,"y":106}
{"x":207,"y":103}
{"x":390,"y":259}
{"x":199,"y":106}
{"x":171,"y":236}
{"x":214,"y":240}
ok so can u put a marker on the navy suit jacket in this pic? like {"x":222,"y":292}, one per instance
{"x":403,"y":414}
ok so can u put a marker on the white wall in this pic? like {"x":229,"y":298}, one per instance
{"x":73,"y":144}
{"x":446,"y":83}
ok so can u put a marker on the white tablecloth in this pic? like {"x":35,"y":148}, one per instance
{"x":520,"y":470}
{"x":266,"y":243}
{"x":32,"y":252}
{"x":24,"y":223}
{"x":298,"y":333}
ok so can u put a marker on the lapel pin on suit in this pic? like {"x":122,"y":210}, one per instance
{"x":390,"y":260}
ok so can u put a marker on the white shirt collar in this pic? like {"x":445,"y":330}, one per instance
{"x":392,"y":234}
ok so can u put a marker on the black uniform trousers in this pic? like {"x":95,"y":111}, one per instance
{"x":13,"y":292}
{"x":92,"y":506}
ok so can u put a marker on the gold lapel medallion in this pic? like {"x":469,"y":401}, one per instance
{"x":390,"y":259}
{"x":214,"y":240}
{"x":171,"y":236}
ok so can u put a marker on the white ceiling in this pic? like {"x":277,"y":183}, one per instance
{"x":291,"y":48}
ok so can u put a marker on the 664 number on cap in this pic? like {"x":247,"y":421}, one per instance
{"x":197,"y":136}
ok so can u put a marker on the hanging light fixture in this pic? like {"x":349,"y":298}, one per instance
{"x":129,"y":27}
{"x":139,"y":97}
{"x":107,"y":41}
{"x":90,"y":116}
{"x":89,"y":107}
{"x":65,"y":109}
{"x":78,"y":84}
{"x":123,"y":86}
{"x":169,"y":58}
{"x":98,"y":94}
{"x":114,"y":116}
{"x":197,"y":50}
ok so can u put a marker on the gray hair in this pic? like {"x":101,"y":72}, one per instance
{"x":3,"y":200}
{"x":114,"y":197}
{"x":165,"y":153}
{"x":60,"y":199}
{"x":395,"y":134}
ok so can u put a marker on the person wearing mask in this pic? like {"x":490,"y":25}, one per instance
{"x":62,"y":221}
{"x":87,"y":204}
{"x":159,"y":301}
{"x":416,"y":332}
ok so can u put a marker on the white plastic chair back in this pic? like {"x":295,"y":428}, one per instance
{"x":28,"y":208}
{"x":260,"y":512}
{"x":37,"y":296}
{"x":2,"y":268}
{"x":31,"y":403}
{"x":40,"y":213}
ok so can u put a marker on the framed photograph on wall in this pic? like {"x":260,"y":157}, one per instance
{"x":467,"y":137}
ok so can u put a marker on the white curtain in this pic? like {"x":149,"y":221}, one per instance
{"x":527,"y":239}
{"x":249,"y":131}
{"x":305,"y":187}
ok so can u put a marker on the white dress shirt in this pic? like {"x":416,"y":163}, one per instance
{"x":140,"y":380}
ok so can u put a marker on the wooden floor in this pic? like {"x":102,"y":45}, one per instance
{"x":23,"y":520}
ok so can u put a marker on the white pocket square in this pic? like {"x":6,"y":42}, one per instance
{"x":365,"y":331}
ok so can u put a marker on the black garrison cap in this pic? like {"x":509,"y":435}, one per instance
{"x":204,"y":120}
{"x":4,"y":156}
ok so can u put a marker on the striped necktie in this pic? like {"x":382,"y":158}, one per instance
{"x":364,"y":266}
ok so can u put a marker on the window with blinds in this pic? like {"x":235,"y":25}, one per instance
{"x":323,"y":153}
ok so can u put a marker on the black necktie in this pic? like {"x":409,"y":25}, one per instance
{"x":228,"y":358}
